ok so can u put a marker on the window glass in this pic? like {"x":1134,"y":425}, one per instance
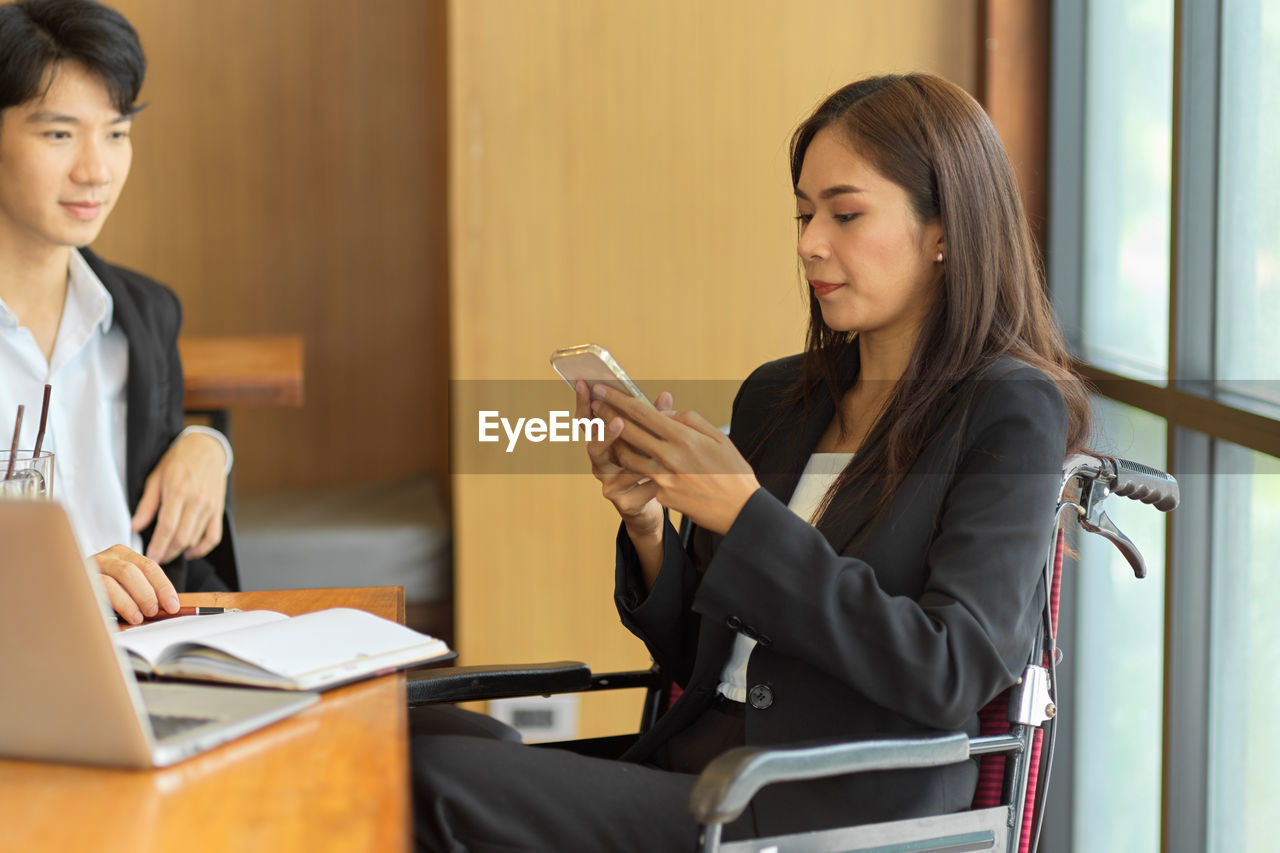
{"x":1248,"y":315}
{"x":1244,"y":650}
{"x":1126,"y":224}
{"x":1119,"y":653}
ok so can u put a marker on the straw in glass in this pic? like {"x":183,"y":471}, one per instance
{"x":44,"y":417}
{"x":13,"y":448}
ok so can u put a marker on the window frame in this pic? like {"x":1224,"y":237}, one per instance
{"x":1195,"y":412}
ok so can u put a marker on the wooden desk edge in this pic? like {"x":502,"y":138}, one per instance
{"x":384,"y":601}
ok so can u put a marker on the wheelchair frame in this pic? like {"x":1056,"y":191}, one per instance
{"x":728,"y":783}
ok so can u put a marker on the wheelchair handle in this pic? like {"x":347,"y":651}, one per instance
{"x":1102,"y":476}
{"x":1102,"y":524}
{"x":1140,"y":482}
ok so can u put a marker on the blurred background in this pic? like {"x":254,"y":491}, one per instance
{"x":435,"y":195}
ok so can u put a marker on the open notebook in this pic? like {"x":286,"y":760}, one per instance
{"x":314,"y":651}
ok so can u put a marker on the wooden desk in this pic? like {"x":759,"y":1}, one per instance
{"x":258,"y":370}
{"x":333,"y":777}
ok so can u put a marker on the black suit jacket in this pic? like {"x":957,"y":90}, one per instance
{"x":907,"y":625}
{"x":150,"y":316}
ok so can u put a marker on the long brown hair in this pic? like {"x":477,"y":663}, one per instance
{"x":931,"y":138}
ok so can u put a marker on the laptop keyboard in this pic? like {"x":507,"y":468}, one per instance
{"x":168,"y":725}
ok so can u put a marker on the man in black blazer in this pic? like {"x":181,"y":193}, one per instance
{"x":151,"y":316}
{"x":103,"y":337}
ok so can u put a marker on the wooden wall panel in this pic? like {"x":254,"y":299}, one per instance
{"x":618,"y":175}
{"x":1013,"y":86}
{"x":289,"y":176}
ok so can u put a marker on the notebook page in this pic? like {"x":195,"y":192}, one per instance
{"x":327,"y":640}
{"x":149,"y":641}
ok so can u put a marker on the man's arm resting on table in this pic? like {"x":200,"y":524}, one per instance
{"x":185,"y":495}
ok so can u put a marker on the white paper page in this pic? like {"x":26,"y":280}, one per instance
{"x":149,"y":641}
{"x":336,"y":638}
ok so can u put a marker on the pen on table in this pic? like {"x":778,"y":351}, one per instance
{"x":189,"y":611}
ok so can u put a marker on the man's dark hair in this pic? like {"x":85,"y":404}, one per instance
{"x":37,"y":35}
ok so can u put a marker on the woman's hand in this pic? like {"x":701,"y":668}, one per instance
{"x":632,"y":495}
{"x":684,"y":461}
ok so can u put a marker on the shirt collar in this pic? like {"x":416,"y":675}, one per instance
{"x":84,"y":286}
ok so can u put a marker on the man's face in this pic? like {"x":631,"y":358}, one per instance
{"x":64,"y":158}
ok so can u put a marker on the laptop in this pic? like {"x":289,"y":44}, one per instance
{"x":69,"y":692}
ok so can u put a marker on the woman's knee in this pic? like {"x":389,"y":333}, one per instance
{"x":449,"y":720}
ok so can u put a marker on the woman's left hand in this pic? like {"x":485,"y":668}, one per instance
{"x":695,"y":466}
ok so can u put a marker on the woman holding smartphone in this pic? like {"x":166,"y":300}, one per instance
{"x":868,"y":542}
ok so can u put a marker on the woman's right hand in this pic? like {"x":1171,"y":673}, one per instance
{"x":633,"y":495}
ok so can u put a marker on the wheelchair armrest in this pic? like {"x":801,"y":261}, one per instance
{"x":478,"y":683}
{"x":729,"y":782}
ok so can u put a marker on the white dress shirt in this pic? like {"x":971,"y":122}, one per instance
{"x":819,"y":475}
{"x":86,"y":428}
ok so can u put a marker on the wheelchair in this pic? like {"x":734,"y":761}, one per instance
{"x":1015,"y":744}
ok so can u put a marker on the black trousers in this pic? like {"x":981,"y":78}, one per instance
{"x":486,"y":795}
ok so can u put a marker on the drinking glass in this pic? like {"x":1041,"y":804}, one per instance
{"x":32,"y":476}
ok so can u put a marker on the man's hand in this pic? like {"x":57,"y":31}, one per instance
{"x":188,"y":488}
{"x":136,"y":586}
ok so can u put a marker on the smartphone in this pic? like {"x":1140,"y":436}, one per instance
{"x":594,"y":365}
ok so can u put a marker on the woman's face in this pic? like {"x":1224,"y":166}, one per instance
{"x":871,"y":263}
